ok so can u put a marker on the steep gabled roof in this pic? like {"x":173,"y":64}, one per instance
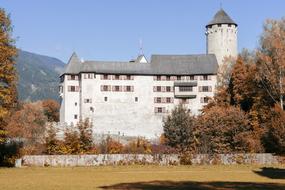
{"x":221,"y":17}
{"x":73,"y":65}
{"x":159,"y":65}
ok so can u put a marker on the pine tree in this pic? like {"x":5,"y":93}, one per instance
{"x":8,"y":76}
{"x":179,"y":130}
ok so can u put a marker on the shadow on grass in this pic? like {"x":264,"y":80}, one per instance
{"x":272,"y":173}
{"x":156,"y":185}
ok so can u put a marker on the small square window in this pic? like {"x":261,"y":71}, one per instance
{"x":87,"y":100}
{"x":168,"y":100}
{"x":167,"y":77}
{"x":105,"y":88}
{"x":128,"y":77}
{"x":105,"y":99}
{"x":128,"y":89}
{"x":168,"y":89}
{"x":178,"y":77}
{"x":159,"y":110}
{"x":75,"y":116}
{"x":105,"y":77}
{"x":205,"y":89}
{"x":136,"y":99}
{"x":117,"y":77}
{"x":192,"y":77}
{"x":90,"y":76}
{"x":158,"y":77}
{"x":158,"y":100}
{"x":158,"y":89}
{"x":117,"y":88}
{"x":75,"y":103}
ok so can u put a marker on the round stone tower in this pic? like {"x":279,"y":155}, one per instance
{"x":221,"y":37}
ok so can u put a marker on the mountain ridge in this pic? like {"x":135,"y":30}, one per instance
{"x":38,"y":76}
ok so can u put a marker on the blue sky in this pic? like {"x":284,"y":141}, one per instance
{"x":112,"y":29}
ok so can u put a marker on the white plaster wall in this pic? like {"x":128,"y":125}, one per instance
{"x":222,"y":41}
{"x":68,"y":108}
{"x":121,"y":114}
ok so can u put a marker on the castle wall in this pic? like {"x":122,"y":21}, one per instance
{"x":133,"y":113}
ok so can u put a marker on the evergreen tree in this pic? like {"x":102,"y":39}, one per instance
{"x":179,"y":130}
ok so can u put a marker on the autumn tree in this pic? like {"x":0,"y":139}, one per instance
{"x":226,"y":130}
{"x":274,"y":138}
{"x":179,"y":129}
{"x":71,"y":142}
{"x":271,"y":60}
{"x":52,"y":144}
{"x":110,"y":145}
{"x":28,"y":125}
{"x":138,"y":146}
{"x":8,"y":76}
{"x":51,"y":110}
{"x":85,"y":135}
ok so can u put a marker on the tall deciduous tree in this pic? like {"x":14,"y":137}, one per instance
{"x":271,"y":60}
{"x":8,"y":77}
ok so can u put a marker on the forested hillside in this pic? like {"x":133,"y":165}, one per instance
{"x":38,"y":76}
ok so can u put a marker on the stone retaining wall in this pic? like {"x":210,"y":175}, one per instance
{"x":165,"y":159}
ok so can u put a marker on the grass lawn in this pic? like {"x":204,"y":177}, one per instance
{"x":144,"y":177}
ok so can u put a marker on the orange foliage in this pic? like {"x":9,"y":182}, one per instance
{"x":51,"y":110}
{"x":8,"y":76}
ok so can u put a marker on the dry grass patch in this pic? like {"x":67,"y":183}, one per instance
{"x":238,"y":177}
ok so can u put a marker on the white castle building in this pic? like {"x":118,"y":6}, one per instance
{"x":132,"y":98}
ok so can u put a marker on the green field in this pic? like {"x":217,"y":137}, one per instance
{"x":144,"y":177}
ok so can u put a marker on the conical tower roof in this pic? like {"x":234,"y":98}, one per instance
{"x":221,"y":17}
